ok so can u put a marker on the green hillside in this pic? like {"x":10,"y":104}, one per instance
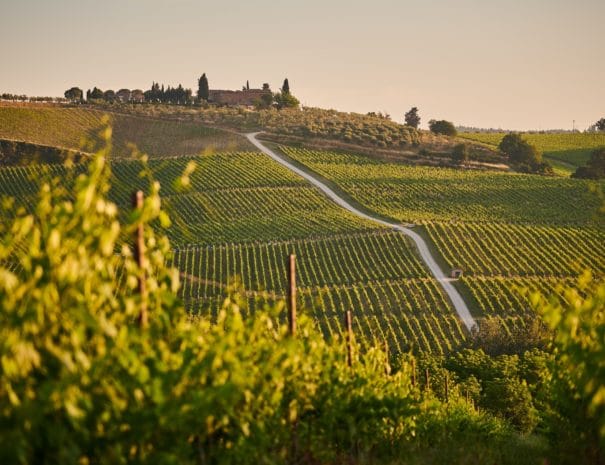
{"x":67,"y":127}
{"x":506,"y":231}
{"x":244,"y":214}
{"x":570,"y":148}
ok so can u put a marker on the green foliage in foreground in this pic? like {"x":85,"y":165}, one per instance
{"x":82,"y":382}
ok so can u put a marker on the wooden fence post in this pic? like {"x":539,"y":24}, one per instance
{"x":387,"y":367}
{"x":413,"y":372}
{"x":349,"y":327}
{"x":427,"y":380}
{"x":139,"y":256}
{"x":292,"y":294}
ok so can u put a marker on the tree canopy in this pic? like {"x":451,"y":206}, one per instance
{"x":202,"y":88}
{"x":74,"y":94}
{"x":595,"y":168}
{"x":519,"y":151}
{"x":412,"y":118}
{"x":444,"y":127}
{"x":285,"y":88}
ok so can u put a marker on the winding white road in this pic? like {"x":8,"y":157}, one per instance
{"x":425,"y":253}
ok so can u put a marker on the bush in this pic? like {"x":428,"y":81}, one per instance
{"x":595,"y":168}
{"x":442,"y":127}
{"x":460,"y":154}
{"x":524,"y":156}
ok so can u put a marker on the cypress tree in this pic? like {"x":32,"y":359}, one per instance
{"x":286,"y":87}
{"x":202,"y":89}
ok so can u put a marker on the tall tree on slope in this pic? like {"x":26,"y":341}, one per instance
{"x":202,"y":88}
{"x":285,"y":88}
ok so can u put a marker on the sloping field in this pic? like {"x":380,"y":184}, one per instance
{"x":571,"y":148}
{"x":244,"y":215}
{"x":417,"y":194}
{"x":505,"y":231}
{"x":68,"y":127}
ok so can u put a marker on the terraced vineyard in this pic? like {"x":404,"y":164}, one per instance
{"x":518,"y":250}
{"x":244,"y":215}
{"x":418,"y":194}
{"x":377,"y":275}
{"x":506,"y":231}
{"x":503,"y":298}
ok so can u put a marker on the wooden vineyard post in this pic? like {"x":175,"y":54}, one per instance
{"x":447,"y":388}
{"x":387,"y":367}
{"x":292,"y":294}
{"x":349,"y":327}
{"x":427,"y":380}
{"x":413,"y":372}
{"x":139,"y":256}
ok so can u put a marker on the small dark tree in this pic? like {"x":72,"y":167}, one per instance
{"x":460,"y":154}
{"x":247,"y":85}
{"x":412,"y":118}
{"x":600,"y":125}
{"x":520,"y":152}
{"x":202,"y":88}
{"x":266,"y":86}
{"x":109,"y":95}
{"x":595,"y":168}
{"x":265,"y":101}
{"x":285,"y":88}
{"x":96,"y":93}
{"x":510,"y":143}
{"x":442,"y":127}
{"x":74,"y":94}
{"x":286,"y":100}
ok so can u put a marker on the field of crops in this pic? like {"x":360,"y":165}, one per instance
{"x":67,"y":127}
{"x":418,"y":194}
{"x":483,"y":249}
{"x":244,"y":214}
{"x":505,"y":231}
{"x":377,"y":275}
{"x":571,"y":148}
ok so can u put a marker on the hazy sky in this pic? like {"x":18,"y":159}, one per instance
{"x":525,"y":64}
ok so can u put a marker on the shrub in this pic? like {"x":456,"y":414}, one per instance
{"x":442,"y":127}
{"x":460,"y":154}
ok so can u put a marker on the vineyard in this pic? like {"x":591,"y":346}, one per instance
{"x":571,"y":148}
{"x":507,"y":232}
{"x":418,"y":194}
{"x":244,"y":214}
{"x":377,"y":275}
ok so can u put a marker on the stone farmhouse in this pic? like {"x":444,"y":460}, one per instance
{"x":244,"y":97}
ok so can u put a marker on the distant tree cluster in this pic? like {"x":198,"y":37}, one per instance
{"x":524,"y":156}
{"x":74,"y":94}
{"x":177,"y":95}
{"x":379,"y":115}
{"x":595,"y":168}
{"x":27,"y":98}
{"x":285,"y":99}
